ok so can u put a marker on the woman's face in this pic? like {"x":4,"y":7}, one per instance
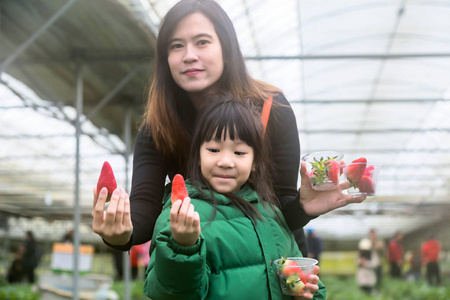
{"x":195,"y":54}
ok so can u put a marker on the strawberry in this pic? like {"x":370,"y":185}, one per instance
{"x":179,"y":190}
{"x":289,"y":268}
{"x":295,"y":284}
{"x":367,"y":185}
{"x":107,"y":180}
{"x":355,"y":170}
{"x":369,"y":171}
{"x":333,"y":171}
{"x":320,"y":169}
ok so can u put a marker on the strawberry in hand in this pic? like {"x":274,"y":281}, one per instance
{"x":107,"y":180}
{"x":179,"y":190}
{"x":355,"y":170}
{"x":334,"y":171}
{"x":367,"y":185}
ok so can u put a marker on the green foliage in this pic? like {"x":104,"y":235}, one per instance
{"x":136,"y":288}
{"x":345,"y":288}
{"x":19,"y":292}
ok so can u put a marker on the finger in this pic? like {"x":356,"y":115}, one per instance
{"x":174,"y":212}
{"x":356,"y":199}
{"x":316,"y":270}
{"x":305,"y":180}
{"x":99,"y":206}
{"x":190,"y":216}
{"x":120,"y":207}
{"x":313,"y":279}
{"x":112,"y":208}
{"x":341,"y":169}
{"x":345,"y":185}
{"x":196,"y":223}
{"x":183,"y":211}
{"x":127,"y":213}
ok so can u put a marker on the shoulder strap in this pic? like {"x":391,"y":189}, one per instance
{"x":266,"y":112}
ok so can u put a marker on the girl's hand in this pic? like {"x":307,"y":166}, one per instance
{"x":114,"y":224}
{"x":319,"y":202}
{"x":312,"y":285}
{"x":184,"y":223}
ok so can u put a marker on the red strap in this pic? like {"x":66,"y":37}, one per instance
{"x":266,"y":112}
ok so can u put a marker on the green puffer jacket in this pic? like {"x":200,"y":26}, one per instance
{"x":232,"y":259}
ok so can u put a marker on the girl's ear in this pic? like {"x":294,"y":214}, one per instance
{"x":253,"y":167}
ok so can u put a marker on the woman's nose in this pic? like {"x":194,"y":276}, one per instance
{"x":190,"y":54}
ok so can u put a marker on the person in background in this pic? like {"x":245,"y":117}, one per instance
{"x":315,"y":244}
{"x":198,"y":54}
{"x":16,"y":270}
{"x":365,"y":275}
{"x":378,"y":253}
{"x":395,"y":255}
{"x":29,"y":257}
{"x":221,"y":240}
{"x":431,"y":250}
{"x":415,"y":265}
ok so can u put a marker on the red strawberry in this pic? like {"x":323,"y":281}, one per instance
{"x":179,"y":190}
{"x":355,"y":170}
{"x":367,"y":185}
{"x":107,"y":180}
{"x":369,"y":171}
{"x":333,"y":171}
{"x":289,"y":268}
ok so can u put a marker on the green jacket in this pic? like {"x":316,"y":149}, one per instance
{"x":232,"y":259}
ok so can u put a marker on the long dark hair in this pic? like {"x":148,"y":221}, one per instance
{"x":239,"y":119}
{"x":161,"y":117}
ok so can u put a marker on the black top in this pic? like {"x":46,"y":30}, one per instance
{"x":150,"y":170}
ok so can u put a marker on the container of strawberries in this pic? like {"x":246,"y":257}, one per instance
{"x":363,"y":177}
{"x":324,"y":169}
{"x":293,"y":273}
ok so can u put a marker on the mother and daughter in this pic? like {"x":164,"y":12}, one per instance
{"x":197,"y":57}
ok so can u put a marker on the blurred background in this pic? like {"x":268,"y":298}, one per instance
{"x":365,"y":78}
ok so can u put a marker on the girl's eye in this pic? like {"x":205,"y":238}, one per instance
{"x":213,"y":150}
{"x":239,"y":153}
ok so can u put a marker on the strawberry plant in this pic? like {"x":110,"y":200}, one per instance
{"x":324,"y":170}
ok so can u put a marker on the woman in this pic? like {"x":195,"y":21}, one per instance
{"x":198,"y":54}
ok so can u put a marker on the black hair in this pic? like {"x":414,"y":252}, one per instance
{"x":240,"y":120}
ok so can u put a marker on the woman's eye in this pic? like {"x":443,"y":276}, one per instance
{"x":202,"y":42}
{"x":176,"y":46}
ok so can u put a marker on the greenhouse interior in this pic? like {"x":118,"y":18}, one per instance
{"x":363,"y":78}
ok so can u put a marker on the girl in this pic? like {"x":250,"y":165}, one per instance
{"x":223,"y":247}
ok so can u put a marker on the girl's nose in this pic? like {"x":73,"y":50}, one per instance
{"x":225,"y":161}
{"x":190,"y":54}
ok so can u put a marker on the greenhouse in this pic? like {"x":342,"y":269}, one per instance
{"x":367,"y":79}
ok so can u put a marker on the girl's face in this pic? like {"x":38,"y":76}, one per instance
{"x":226,"y":164}
{"x":195,"y":54}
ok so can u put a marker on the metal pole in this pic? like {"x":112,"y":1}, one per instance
{"x":30,"y":41}
{"x":126,"y":259}
{"x":76,"y":214}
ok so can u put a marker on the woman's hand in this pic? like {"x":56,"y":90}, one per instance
{"x":113,"y":225}
{"x":184,"y":223}
{"x":312,"y":285}
{"x":319,"y":202}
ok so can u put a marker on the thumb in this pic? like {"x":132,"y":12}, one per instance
{"x":304,"y":174}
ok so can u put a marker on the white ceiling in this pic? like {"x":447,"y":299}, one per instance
{"x":366,"y":78}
